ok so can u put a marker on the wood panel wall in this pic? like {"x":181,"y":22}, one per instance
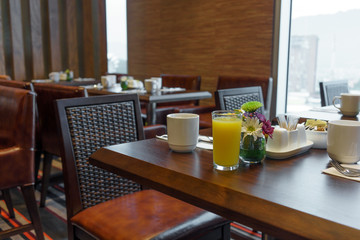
{"x":41,"y":36}
{"x":202,"y":37}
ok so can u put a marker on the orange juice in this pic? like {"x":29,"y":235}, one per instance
{"x":226,"y":141}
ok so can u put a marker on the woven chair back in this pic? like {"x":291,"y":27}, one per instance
{"x":233,"y":98}
{"x":86,"y":125}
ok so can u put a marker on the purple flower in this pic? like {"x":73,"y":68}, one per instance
{"x":260,"y":117}
{"x":267,"y":128}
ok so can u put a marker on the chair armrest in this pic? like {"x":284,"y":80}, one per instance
{"x":152,"y":130}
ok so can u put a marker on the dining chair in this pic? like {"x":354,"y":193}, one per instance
{"x":226,"y":82}
{"x":266,"y":84}
{"x":17,"y":84}
{"x":102,"y":205}
{"x":17,"y":146}
{"x":49,"y":138}
{"x":5,"y":77}
{"x":233,"y":98}
{"x":22,"y":85}
{"x":328,"y":90}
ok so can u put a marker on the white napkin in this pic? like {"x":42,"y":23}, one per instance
{"x":333,"y":171}
{"x":204,"y":144}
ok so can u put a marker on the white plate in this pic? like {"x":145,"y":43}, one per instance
{"x":289,"y":153}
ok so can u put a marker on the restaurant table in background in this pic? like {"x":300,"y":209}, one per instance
{"x":289,"y":199}
{"x":325,"y":113}
{"x":151,"y":99}
{"x":75,"y":82}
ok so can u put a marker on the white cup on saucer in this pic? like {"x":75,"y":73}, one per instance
{"x":183,"y":131}
{"x":343,"y":141}
{"x":55,"y":76}
{"x":108,"y":81}
{"x":349,"y":104}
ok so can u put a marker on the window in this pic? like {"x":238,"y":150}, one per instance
{"x":116,"y":36}
{"x":323,"y":45}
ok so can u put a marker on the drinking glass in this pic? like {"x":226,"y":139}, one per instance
{"x":226,"y":128}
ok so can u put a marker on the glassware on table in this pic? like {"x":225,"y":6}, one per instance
{"x":252,"y":151}
{"x":226,"y":128}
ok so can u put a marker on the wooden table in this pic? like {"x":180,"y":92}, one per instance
{"x":151,"y":99}
{"x":84,"y":82}
{"x":289,"y":199}
{"x":325,"y":113}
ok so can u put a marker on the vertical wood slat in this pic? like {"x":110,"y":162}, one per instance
{"x":17,"y":41}
{"x":54,"y":36}
{"x":102,"y":37}
{"x":72,"y":36}
{"x":41,"y":36}
{"x":2,"y":54}
{"x":87,"y":41}
{"x":36,"y":39}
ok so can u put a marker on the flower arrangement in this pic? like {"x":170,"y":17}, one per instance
{"x":254,"y":123}
{"x":254,"y":133}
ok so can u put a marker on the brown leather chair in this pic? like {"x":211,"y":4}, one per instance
{"x":22,"y":85}
{"x":102,"y":205}
{"x":16,"y":84}
{"x":17,"y":144}
{"x":49,"y":139}
{"x":5,"y":77}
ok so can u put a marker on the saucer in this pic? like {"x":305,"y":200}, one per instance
{"x":286,"y":153}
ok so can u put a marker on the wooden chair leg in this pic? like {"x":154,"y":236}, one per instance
{"x":9,"y":205}
{"x":29,"y":197}
{"x":46,"y":177}
{"x":37,"y":165}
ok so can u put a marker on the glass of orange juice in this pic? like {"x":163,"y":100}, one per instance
{"x":226,"y":130}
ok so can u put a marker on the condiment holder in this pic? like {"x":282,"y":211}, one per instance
{"x":286,"y":140}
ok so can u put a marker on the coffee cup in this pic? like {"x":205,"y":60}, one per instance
{"x":151,"y":85}
{"x":343,"y":141}
{"x":349,"y":104}
{"x":159,"y":81}
{"x":55,"y":76}
{"x":108,"y":81}
{"x":183,"y":131}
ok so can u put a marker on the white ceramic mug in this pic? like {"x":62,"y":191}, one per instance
{"x":159,"y":82}
{"x":183,"y":131}
{"x":151,"y":85}
{"x":108,"y":81}
{"x":349,"y":104}
{"x":343,"y":142}
{"x":55,"y":76}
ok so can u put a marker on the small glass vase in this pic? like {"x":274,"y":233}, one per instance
{"x":252,"y":152}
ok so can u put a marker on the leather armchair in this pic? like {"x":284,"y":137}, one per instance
{"x":5,"y":77}
{"x":49,"y":138}
{"x":17,"y":146}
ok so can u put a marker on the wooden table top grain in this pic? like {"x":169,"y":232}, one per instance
{"x":290,"y":198}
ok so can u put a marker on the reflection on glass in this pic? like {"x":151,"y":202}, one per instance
{"x":324,"y":46}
